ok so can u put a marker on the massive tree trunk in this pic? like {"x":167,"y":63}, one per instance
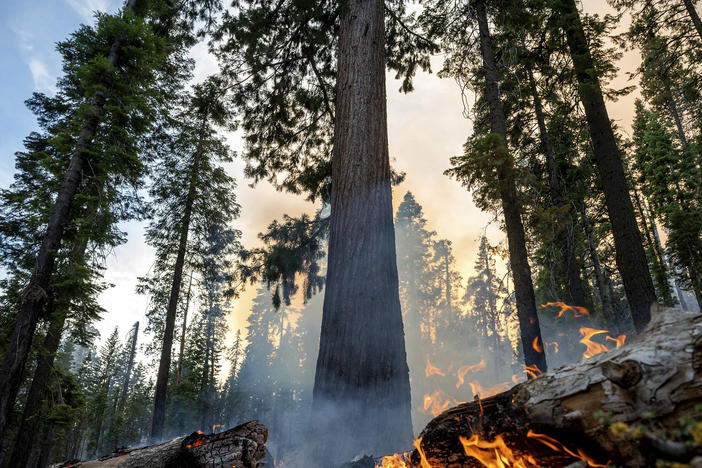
{"x":158,"y":416}
{"x":240,"y":447}
{"x":521,"y":271}
{"x":652,"y":382}
{"x":33,"y":297}
{"x":566,"y":235}
{"x":361,"y":399}
{"x":630,"y":255}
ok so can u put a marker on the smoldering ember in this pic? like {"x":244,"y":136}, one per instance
{"x":351,"y":234}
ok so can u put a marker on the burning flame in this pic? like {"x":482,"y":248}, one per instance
{"x":494,"y":454}
{"x":537,"y":346}
{"x":478,"y":389}
{"x":437,"y":402}
{"x":559,"y":447}
{"x":215,"y":427}
{"x":553,"y":344}
{"x":465,"y":369}
{"x":200,"y":441}
{"x":532,"y":370}
{"x":393,"y":461}
{"x":619,"y":341}
{"x":422,"y":457}
{"x":400,"y":460}
{"x":594,"y":347}
{"x":577,"y":310}
{"x":432,"y":370}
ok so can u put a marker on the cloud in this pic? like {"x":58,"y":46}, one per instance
{"x":86,"y":8}
{"x":43,"y":80}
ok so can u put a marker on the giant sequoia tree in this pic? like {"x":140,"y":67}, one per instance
{"x":300,"y":73}
{"x":361,"y":391}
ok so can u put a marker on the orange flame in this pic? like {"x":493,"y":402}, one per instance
{"x":593,"y":347}
{"x":559,"y":447}
{"x":422,"y":457}
{"x":537,"y":346}
{"x":478,"y":389}
{"x":532,"y":370}
{"x":437,"y":402}
{"x":495,"y":454}
{"x":431,"y":369}
{"x":200,"y":441}
{"x":619,"y":341}
{"x":396,"y":460}
{"x":465,"y":369}
{"x":577,"y":310}
{"x":553,"y":344}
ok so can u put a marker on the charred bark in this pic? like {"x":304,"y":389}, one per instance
{"x":652,"y":381}
{"x":242,"y":446}
{"x":630,"y":255}
{"x":361,"y":397}
{"x":521,"y":271}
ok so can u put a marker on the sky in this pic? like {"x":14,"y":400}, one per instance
{"x":425,"y":128}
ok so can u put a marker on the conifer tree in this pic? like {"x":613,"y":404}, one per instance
{"x":105,"y":105}
{"x":669,"y":178}
{"x":630,"y":255}
{"x":191,"y":186}
{"x":501,"y":165}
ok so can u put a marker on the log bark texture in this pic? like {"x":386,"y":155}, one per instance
{"x":240,"y":447}
{"x":655,"y":380}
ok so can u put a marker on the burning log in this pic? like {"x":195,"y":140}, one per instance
{"x":240,"y":447}
{"x":624,"y":406}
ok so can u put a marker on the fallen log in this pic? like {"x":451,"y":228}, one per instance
{"x":629,"y":406}
{"x":240,"y":447}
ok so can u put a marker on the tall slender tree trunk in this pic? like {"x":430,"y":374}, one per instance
{"x":659,"y":270}
{"x":566,"y":235}
{"x":630,"y":255}
{"x":179,"y":370}
{"x":29,"y":427}
{"x":521,"y":271}
{"x":158,"y":416}
{"x":678,"y":121}
{"x":361,"y":396}
{"x":694,"y":16}
{"x":130,"y":366}
{"x":608,"y":310}
{"x":33,"y":298}
{"x":660,"y":254}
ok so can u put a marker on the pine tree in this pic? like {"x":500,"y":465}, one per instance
{"x":104,"y":106}
{"x":492,"y":152}
{"x":630,"y":255}
{"x":669,"y":178}
{"x":194,"y":188}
